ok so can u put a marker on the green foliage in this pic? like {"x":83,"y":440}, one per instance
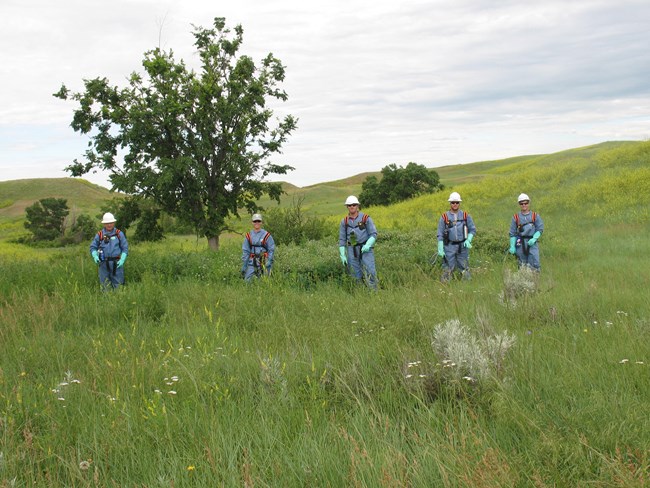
{"x":148,"y":227}
{"x":292,"y":226}
{"x":126,"y":210}
{"x":83,"y":228}
{"x":198,"y":144}
{"x":142,"y":212}
{"x":45,"y":219}
{"x":398,"y":184}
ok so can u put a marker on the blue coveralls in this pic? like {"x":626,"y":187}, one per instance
{"x":527,"y":255}
{"x":361,"y":265}
{"x":456,"y":254}
{"x":112,"y":245}
{"x":257,"y":257}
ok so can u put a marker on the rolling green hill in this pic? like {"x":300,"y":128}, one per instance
{"x":17,"y":195}
{"x":594,"y":180}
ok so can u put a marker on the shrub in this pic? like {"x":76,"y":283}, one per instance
{"x":466,"y":361}
{"x":83,"y":228}
{"x":291,"y":225}
{"x":518,"y":284}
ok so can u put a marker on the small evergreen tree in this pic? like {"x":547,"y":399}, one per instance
{"x":45,"y":218}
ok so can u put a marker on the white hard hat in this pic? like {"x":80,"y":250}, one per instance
{"x":257,"y":217}
{"x":352,"y":200}
{"x":455,"y":197}
{"x":523,"y":197}
{"x":108,"y":218}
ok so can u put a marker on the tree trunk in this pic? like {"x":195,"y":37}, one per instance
{"x":213,"y":242}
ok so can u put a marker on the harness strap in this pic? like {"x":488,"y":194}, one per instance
{"x":364,"y":219}
{"x":445,"y":217}
{"x":519,"y":226}
{"x":101,"y":234}
{"x":262,"y":244}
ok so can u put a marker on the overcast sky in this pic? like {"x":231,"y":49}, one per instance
{"x":372,"y":82}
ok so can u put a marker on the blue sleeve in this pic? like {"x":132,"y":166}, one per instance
{"x":513,"y":227}
{"x":342,"y":237}
{"x":370,"y":227}
{"x":94,"y":245}
{"x":270,"y":246}
{"x":471,"y":228}
{"x":539,"y":224}
{"x":441,"y":228}
{"x":124,"y":245}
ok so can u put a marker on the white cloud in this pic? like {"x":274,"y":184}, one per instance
{"x":372,"y":82}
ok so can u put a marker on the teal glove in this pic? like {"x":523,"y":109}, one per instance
{"x":468,"y":241}
{"x":120,"y":263}
{"x":536,"y":235}
{"x":344,"y":256}
{"x":368,"y":245}
{"x":441,"y":249}
{"x":513,"y":241}
{"x":95,"y":256}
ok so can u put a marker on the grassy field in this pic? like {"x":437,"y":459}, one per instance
{"x":189,"y":377}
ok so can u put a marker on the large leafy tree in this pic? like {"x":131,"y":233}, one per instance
{"x":398,"y":184}
{"x":198,"y":143}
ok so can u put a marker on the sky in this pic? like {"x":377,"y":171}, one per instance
{"x":372,"y":82}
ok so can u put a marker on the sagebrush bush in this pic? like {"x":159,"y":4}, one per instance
{"x":518,"y":284}
{"x":466,"y":360}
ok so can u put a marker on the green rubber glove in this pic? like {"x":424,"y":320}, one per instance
{"x":120,"y":263}
{"x":513,"y":241}
{"x":441,"y":249}
{"x":95,"y":256}
{"x":368,"y":245}
{"x":343,"y":253}
{"x":468,"y":241}
{"x":536,"y":235}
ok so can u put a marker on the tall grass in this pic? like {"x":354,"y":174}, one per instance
{"x":187,"y":376}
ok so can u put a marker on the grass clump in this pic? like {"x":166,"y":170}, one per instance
{"x":518,"y":284}
{"x":467,"y":362}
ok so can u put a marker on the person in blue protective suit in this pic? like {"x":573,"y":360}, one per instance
{"x":257,"y":251}
{"x":456,"y":230}
{"x":357,"y":237}
{"x":109,"y":250}
{"x":526,"y":228}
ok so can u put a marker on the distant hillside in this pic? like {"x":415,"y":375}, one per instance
{"x":579,"y":187}
{"x":327,"y":198}
{"x":82,"y":196}
{"x":587,"y":172}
